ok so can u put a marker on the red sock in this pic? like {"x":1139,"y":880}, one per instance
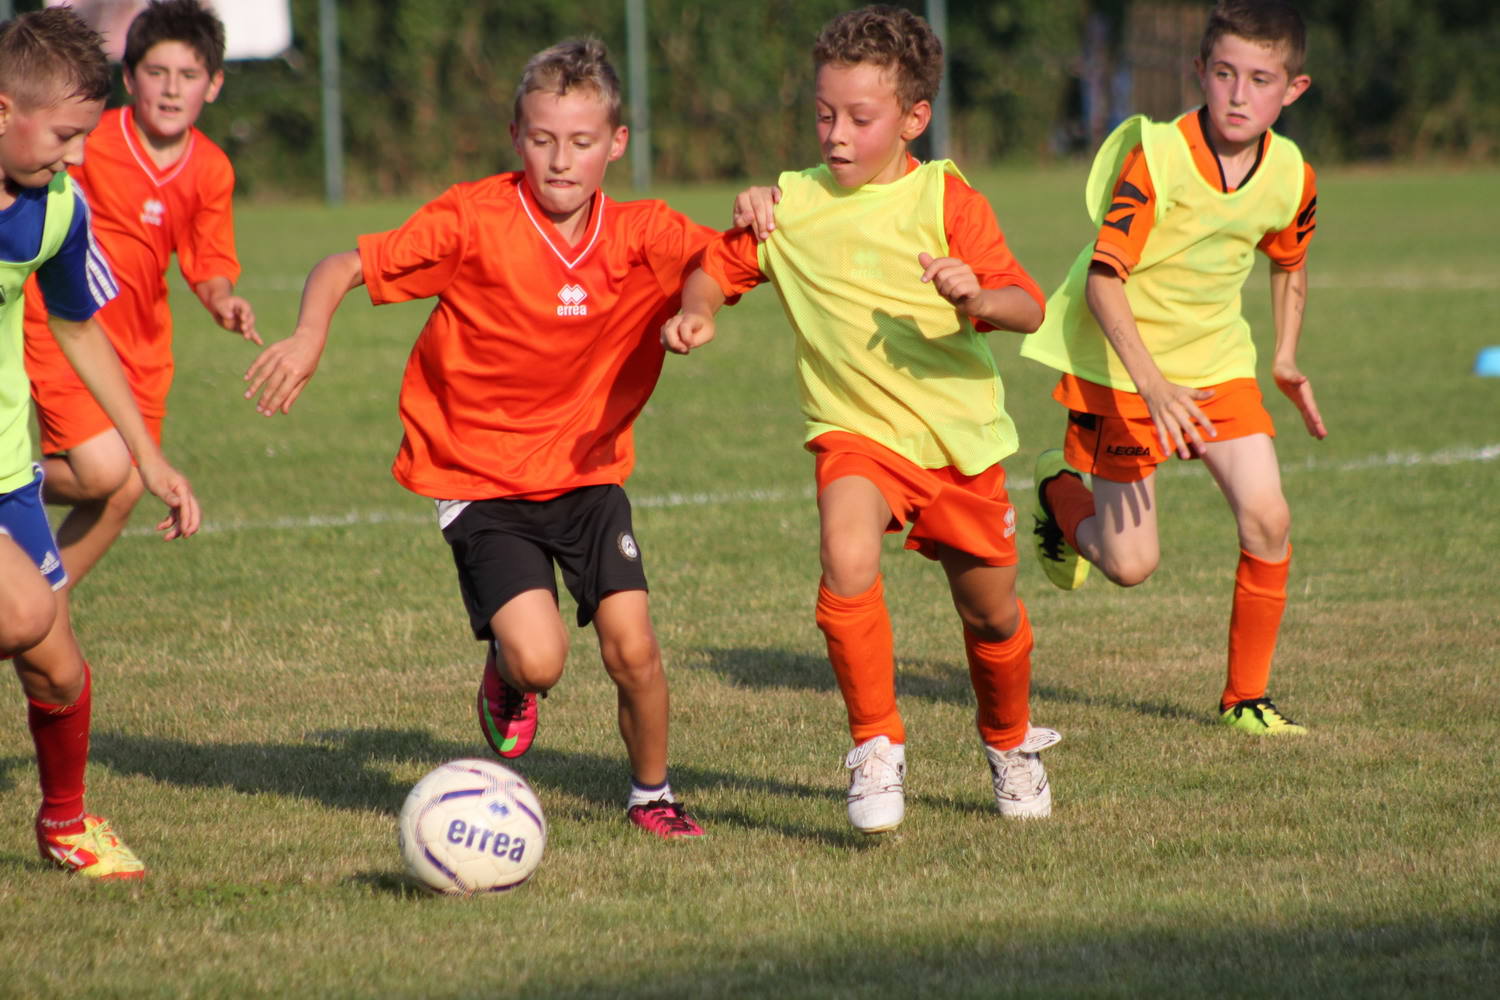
{"x":1259,"y":600}
{"x":61,"y":734}
{"x":1001,"y":675}
{"x":1071,"y":504}
{"x":862,"y":652}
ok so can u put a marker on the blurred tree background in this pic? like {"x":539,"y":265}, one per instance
{"x":428,"y":84}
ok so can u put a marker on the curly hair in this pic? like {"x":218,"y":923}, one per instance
{"x":578,"y":63}
{"x":185,"y":21}
{"x":49,"y":56}
{"x":1268,"y":22}
{"x":891,"y":38}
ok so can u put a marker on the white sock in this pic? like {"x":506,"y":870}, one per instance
{"x":642,"y":794}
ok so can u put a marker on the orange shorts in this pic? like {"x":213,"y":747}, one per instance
{"x":68,"y":416}
{"x":1114,"y":440}
{"x":944,"y":507}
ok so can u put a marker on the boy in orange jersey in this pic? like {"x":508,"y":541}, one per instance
{"x":520,"y":394}
{"x":155,"y":185}
{"x":1155,"y":356}
{"x":53,"y":81}
{"x":890,"y":271}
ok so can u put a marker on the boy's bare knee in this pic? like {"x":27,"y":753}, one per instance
{"x":632,"y":662}
{"x":1129,"y":571}
{"x":534,"y":668}
{"x":26,"y":625}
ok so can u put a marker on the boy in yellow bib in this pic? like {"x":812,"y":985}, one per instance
{"x":1155,"y":356}
{"x":890,"y":271}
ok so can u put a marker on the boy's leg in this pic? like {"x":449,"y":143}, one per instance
{"x":632,"y":657}
{"x":1246,"y":471}
{"x":998,"y":643}
{"x":28,"y":607}
{"x":524,"y":658}
{"x":1113,"y":526}
{"x":853,"y":516}
{"x":95,"y":478}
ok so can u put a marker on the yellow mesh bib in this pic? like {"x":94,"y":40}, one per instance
{"x":879,"y":353}
{"x":1185,"y":291}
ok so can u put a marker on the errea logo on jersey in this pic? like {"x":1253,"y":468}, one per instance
{"x":154,"y":212}
{"x":572,"y":297}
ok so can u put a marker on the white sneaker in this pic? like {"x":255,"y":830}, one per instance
{"x":1021,"y":788}
{"x":877,"y":802}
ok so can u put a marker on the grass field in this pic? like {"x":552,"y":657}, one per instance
{"x":267,"y":691}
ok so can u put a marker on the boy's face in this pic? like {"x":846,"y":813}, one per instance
{"x":37,"y":144}
{"x":861,"y":125}
{"x":1245,"y":85}
{"x":170,"y":86}
{"x":566,"y":142}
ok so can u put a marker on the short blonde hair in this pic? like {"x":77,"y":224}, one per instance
{"x":577,"y":64}
{"x":50,"y":56}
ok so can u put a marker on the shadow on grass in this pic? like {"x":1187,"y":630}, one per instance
{"x":9,"y":765}
{"x":349,"y":769}
{"x":771,"y":668}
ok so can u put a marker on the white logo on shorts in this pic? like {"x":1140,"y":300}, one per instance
{"x":628,"y":548}
{"x":1010,"y":523}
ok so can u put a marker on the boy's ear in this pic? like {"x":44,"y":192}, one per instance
{"x":618,"y":142}
{"x":918,"y":117}
{"x":1296,"y":88}
{"x":214,"y":86}
{"x":7,"y":106}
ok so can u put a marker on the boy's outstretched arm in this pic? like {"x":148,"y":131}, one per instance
{"x":1174,"y":408}
{"x":1008,"y":308}
{"x":1288,"y":300}
{"x":89,"y":351}
{"x":694,"y":325}
{"x":228,"y":309}
{"x":286,"y":366}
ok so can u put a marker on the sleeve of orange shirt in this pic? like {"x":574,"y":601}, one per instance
{"x":1287,"y":248}
{"x":1128,"y":221}
{"x":208,"y":251}
{"x":734,"y":262}
{"x":420,"y":259}
{"x":673,"y":245}
{"x":974,"y":237}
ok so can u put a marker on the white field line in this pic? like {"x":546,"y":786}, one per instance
{"x":309,"y":522}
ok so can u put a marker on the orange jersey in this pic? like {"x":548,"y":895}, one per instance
{"x":141,"y":214}
{"x":974,"y":237}
{"x":1132,"y":210}
{"x":532,"y":367}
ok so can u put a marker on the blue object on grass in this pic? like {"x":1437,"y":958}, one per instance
{"x":1488,"y":362}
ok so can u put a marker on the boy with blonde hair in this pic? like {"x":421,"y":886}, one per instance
{"x":890,"y":272}
{"x":1155,"y":356}
{"x":155,"y":185}
{"x":53,"y":81}
{"x":519,"y":398}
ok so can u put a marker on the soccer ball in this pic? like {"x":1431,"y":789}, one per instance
{"x":472,"y":826}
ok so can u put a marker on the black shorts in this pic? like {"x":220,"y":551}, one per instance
{"x":505,"y":547}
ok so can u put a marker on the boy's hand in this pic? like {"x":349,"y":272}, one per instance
{"x":235,"y":315}
{"x":756,"y":207}
{"x":282,"y":370}
{"x":173,"y":489}
{"x":686,"y":331}
{"x":1299,"y":390}
{"x":1174,"y":411}
{"x":953,"y":279}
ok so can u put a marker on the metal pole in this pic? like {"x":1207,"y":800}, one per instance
{"x":333,"y":105}
{"x":7,"y":10}
{"x":640,"y":95}
{"x":940,"y":130}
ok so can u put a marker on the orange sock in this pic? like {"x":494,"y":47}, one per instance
{"x":862,"y":653}
{"x":1259,"y":600}
{"x":1071,"y":504}
{"x":1001,"y":675}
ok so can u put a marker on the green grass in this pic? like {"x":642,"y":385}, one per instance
{"x":268,"y":690}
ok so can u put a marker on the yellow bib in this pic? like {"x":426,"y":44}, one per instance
{"x":1185,"y":291}
{"x":879,"y":353}
{"x":15,"y":388}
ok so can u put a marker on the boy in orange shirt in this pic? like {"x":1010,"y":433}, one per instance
{"x":519,"y":397}
{"x":155,"y":185}
{"x":1155,"y":356}
{"x":890,"y":272}
{"x":53,"y":81}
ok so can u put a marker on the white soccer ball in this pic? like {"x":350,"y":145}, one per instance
{"x":472,"y":826}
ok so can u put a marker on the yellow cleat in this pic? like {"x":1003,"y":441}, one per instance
{"x":96,"y":853}
{"x":1261,"y":717}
